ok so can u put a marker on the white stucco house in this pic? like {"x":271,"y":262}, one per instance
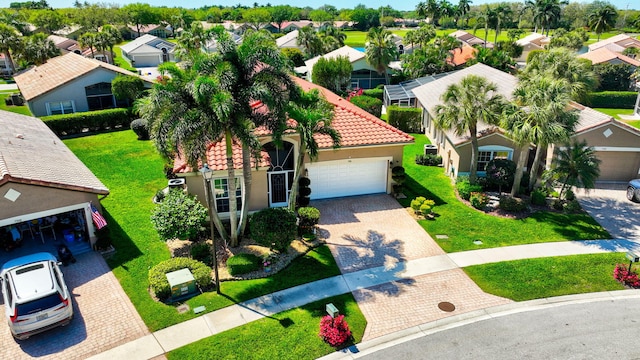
{"x":363,"y":75}
{"x":148,"y":51}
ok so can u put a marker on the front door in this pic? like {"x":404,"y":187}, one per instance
{"x":280,"y":172}
{"x":278,"y":188}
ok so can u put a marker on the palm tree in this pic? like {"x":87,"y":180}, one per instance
{"x":465,"y":104}
{"x":486,"y":18}
{"x":313,"y":116}
{"x":380,"y":50}
{"x":310,"y":41}
{"x":191,"y":41}
{"x":334,"y":32}
{"x":111,"y":37}
{"x":38,"y":49}
{"x":502,"y":14}
{"x":430,"y":9}
{"x":10,"y":42}
{"x":222,"y":97}
{"x":464,"y":6}
{"x":575,"y":164}
{"x":602,"y":19}
{"x":545,"y":12}
{"x":89,"y":40}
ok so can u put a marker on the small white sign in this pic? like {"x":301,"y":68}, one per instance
{"x":12,"y":195}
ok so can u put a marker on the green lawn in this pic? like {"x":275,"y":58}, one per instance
{"x":615,"y":112}
{"x":133,"y":172}
{"x":292,"y":334}
{"x":545,"y":277}
{"x":24,"y":110}
{"x":463,"y":224}
{"x":634,"y":123}
{"x":120,"y":61}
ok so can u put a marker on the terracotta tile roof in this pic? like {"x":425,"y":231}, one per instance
{"x":58,"y":71}
{"x":356,"y":127}
{"x":603,"y":55}
{"x":462,"y":55}
{"x":30,"y":153}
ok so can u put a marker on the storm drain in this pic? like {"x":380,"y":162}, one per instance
{"x":446,"y":306}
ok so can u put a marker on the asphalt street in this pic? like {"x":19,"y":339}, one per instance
{"x":601,"y":330}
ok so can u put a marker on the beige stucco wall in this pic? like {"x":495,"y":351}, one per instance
{"x":464,"y":151}
{"x":620,"y":137}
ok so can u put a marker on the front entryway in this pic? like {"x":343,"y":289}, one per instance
{"x":280,"y":173}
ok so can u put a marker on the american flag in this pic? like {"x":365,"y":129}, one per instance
{"x":98,"y":219}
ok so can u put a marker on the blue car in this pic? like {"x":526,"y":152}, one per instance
{"x":633,"y":190}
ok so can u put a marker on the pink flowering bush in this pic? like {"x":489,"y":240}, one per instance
{"x":622,"y":274}
{"x":334,"y":331}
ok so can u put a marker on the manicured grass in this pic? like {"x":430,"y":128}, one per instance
{"x":615,"y":112}
{"x":120,"y":61}
{"x":634,"y":123}
{"x":23,"y":109}
{"x":133,"y":172}
{"x":545,"y":277}
{"x":289,"y":335}
{"x":463,"y":224}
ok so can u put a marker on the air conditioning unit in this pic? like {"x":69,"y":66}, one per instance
{"x":179,"y":183}
{"x":430,"y":149}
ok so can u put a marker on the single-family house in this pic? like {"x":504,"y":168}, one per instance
{"x":212,"y":45}
{"x":289,"y":26}
{"x":604,"y":55}
{"x":470,"y":39}
{"x":130,"y":32}
{"x":363,"y":75}
{"x":402,"y":94}
{"x":289,"y":41}
{"x":41,"y":179}
{"x":71,"y":31}
{"x":148,"y":51}
{"x":616,"y":43}
{"x":531,"y":42}
{"x":67,"y":45}
{"x":362,"y":165}
{"x":616,"y":143}
{"x":69,"y":83}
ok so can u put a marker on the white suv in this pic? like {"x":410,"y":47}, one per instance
{"x":35,"y":295}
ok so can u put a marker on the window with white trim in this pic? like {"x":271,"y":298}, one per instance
{"x":60,"y":107}
{"x":489,"y":153}
{"x":221,"y":191}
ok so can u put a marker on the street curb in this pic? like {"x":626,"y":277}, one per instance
{"x":399,"y":337}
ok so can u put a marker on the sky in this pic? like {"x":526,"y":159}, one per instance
{"x":403,"y":5}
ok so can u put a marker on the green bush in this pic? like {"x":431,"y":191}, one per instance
{"x":274,"y":227}
{"x":428,"y":160}
{"x":417,"y":202}
{"x":572,"y":207}
{"x":178,"y":216}
{"x":369,"y":104}
{"x":76,"y":123}
{"x":422,"y":205}
{"x":158,"y":279}
{"x":569,"y":195}
{"x":243,"y":263}
{"x":479,"y":200}
{"x":557,"y":204}
{"x":139,"y":126}
{"x":511,"y":204}
{"x":294,"y":55}
{"x":538,"y":197}
{"x":613,"y":99}
{"x":202,"y":252}
{"x":309,"y":217}
{"x":374,"y":93}
{"x":465,"y":188}
{"x":405,"y":119}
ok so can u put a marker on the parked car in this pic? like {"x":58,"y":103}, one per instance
{"x":633,"y":190}
{"x":35,"y":295}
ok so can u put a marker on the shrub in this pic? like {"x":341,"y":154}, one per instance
{"x":422,"y":205}
{"x":375,"y":93}
{"x":309,"y":217}
{"x":139,"y":126}
{"x":538,"y":197}
{"x":158,"y":279}
{"x":557,"y":204}
{"x":628,"y":278}
{"x":202,"y":252}
{"x":76,"y":123}
{"x":572,"y":207}
{"x":613,"y":99}
{"x":569,"y":195}
{"x":428,"y":160}
{"x":465,"y":188}
{"x":178,"y":216}
{"x":425,"y":209}
{"x":479,"y":200}
{"x":417,"y":202}
{"x":303,"y":192}
{"x":334,"y":331}
{"x":500,"y":172}
{"x":405,"y":119}
{"x":369,"y":104}
{"x":274,"y":227}
{"x":243,"y":263}
{"x":511,"y":204}
{"x":294,"y":55}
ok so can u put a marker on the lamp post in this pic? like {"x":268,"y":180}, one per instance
{"x":206,"y":177}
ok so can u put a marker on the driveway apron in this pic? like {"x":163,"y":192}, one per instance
{"x":609,"y":206}
{"x":374,"y":230}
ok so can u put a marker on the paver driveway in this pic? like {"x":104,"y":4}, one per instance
{"x":103,"y":317}
{"x":374,"y":230}
{"x":609,"y":206}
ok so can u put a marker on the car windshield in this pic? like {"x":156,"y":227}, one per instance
{"x":38,"y":304}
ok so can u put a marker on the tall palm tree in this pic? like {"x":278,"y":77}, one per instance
{"x":191,"y":41}
{"x":575,"y":164}
{"x":310,"y":41}
{"x":38,"y":49}
{"x":380,"y":50}
{"x":313,"y":116}
{"x":502,"y":14}
{"x":486,"y":18}
{"x":10,"y":42}
{"x":111,"y":37}
{"x":545,"y":12}
{"x":89,"y":40}
{"x":429,"y":9}
{"x":222,"y":97}
{"x":334,"y":32}
{"x":464,"y":6}
{"x":603,"y":18}
{"x":465,"y":104}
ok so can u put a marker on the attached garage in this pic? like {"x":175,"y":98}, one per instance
{"x":145,"y":60}
{"x":618,"y":166}
{"x":348,"y":177}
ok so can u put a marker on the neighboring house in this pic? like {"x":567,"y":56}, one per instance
{"x":604,"y":55}
{"x":616,"y":43}
{"x":5,"y":68}
{"x":148,"y":51}
{"x":289,"y":26}
{"x":40,"y":177}
{"x":461,"y":55}
{"x":289,"y":41}
{"x":402,"y":93}
{"x":616,"y":143}
{"x":69,"y":83}
{"x":370,"y":148}
{"x":130,"y":32}
{"x":470,"y":39}
{"x":531,"y":42}
{"x":363,"y":76}
{"x":71,"y":32}
{"x":67,"y":45}
{"x":212,"y":45}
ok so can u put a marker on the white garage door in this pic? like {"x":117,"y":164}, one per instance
{"x":331,"y":179}
{"x":146,"y":60}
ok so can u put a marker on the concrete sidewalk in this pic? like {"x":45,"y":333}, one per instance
{"x":182,"y":334}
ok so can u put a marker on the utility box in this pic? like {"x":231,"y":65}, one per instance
{"x":182,"y":283}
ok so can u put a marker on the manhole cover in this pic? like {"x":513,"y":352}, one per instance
{"x":477,"y":242}
{"x":446,"y":306}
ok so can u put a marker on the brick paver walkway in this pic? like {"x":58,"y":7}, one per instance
{"x":368,"y":231}
{"x":103,"y":317}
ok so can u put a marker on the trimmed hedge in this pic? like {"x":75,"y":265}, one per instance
{"x":369,"y":104}
{"x":612,"y":99}
{"x":243,"y":263}
{"x":309,"y":217}
{"x":405,"y":119}
{"x":76,"y":123}
{"x":465,"y":188}
{"x":374,"y":93}
{"x":158,"y":279}
{"x":274,"y":227}
{"x":139,"y":126}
